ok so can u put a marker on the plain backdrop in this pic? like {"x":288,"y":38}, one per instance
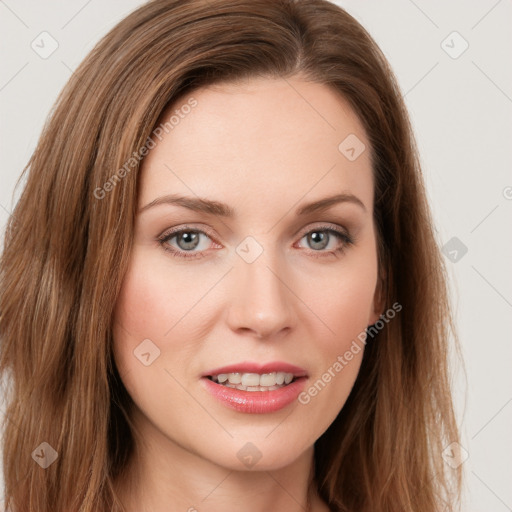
{"x":452,"y":60}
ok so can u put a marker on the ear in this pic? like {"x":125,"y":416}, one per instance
{"x":378,"y":302}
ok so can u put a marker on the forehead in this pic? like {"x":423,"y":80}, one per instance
{"x":276,"y":139}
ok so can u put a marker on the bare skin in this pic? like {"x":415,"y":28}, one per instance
{"x":264,"y":148}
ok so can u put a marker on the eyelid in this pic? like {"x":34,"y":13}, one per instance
{"x":186,"y":227}
{"x":323,"y":226}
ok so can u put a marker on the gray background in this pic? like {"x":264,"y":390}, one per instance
{"x":461,"y":110}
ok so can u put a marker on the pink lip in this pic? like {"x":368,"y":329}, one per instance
{"x":248,"y":367}
{"x":255,"y":402}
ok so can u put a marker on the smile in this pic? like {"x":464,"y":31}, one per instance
{"x":254,"y":381}
{"x":255,"y":388}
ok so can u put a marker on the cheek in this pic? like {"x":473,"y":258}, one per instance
{"x":153,"y":300}
{"x":140,"y":295}
{"x":347,"y":308}
{"x":345,"y":305}
{"x":146,"y":309}
{"x":344,"y":299}
{"x":150,"y":316}
{"x":346,"y":312}
{"x":161,"y":301}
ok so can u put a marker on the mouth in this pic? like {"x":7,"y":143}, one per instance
{"x":254,"y":381}
{"x":255,"y":388}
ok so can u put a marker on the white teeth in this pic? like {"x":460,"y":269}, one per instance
{"x":250,"y":379}
{"x":235,"y":378}
{"x":254,"y":381}
{"x":268,"y":379}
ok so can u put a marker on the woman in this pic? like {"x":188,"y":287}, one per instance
{"x":206,"y":166}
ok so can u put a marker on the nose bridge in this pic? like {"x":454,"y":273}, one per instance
{"x":261,"y":302}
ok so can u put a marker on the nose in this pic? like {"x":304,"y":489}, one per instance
{"x":261,"y":301}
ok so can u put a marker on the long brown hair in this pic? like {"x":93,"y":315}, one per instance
{"x":68,"y":242}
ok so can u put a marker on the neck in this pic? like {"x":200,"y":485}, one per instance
{"x":163,"y":476}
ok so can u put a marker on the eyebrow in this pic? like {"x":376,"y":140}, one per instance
{"x":221,"y":209}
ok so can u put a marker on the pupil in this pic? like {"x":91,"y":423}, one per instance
{"x":318,"y":237}
{"x":190,"y":240}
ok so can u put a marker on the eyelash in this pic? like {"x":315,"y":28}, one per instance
{"x":344,"y":237}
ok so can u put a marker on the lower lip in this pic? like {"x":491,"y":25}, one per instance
{"x":256,"y":402}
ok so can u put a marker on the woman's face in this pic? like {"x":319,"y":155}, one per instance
{"x":266,"y":293}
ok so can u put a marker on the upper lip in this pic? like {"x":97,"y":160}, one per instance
{"x":250,"y":367}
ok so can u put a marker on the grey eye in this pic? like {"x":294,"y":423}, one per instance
{"x":318,"y":239}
